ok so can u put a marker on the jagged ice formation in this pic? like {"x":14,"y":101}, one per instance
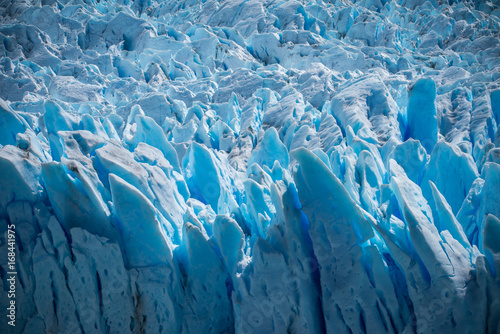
{"x":251,"y":166}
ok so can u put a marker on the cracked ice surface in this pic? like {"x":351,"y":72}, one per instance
{"x":251,"y":166}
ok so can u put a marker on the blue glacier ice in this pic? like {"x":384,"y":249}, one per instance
{"x":250,"y":166}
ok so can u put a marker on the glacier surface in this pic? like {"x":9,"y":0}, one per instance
{"x":246,"y":166}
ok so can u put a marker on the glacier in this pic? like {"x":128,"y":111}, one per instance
{"x":250,"y":166}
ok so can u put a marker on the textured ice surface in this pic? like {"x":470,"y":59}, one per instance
{"x":251,"y":166}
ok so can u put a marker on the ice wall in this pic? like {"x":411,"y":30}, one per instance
{"x":251,"y":166}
